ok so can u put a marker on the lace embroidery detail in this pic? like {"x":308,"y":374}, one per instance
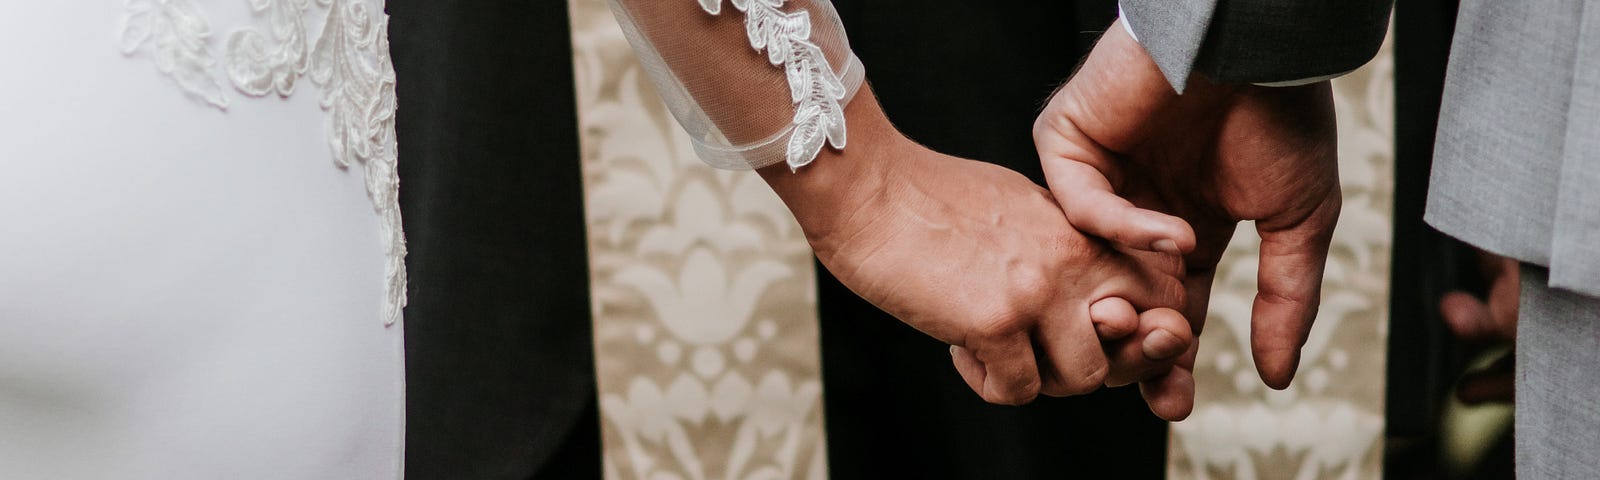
{"x":178,"y":40}
{"x":813,"y":86}
{"x":258,"y":67}
{"x":349,"y":62}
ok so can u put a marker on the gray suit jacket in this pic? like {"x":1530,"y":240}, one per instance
{"x":1257,"y":41}
{"x":1517,"y":164}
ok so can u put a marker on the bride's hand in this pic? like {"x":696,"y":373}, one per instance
{"x":979,"y":257}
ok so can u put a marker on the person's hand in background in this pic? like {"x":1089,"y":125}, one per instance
{"x":1118,"y":145}
{"x":981,"y":258}
{"x":1487,"y":321}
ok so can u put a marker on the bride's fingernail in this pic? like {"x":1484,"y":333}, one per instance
{"x":1162,"y":345}
{"x":1166,"y":245}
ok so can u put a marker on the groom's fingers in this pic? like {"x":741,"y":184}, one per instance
{"x":1163,"y":336}
{"x":1094,"y":208}
{"x":1114,"y":318}
{"x":1171,"y":395}
{"x":1289,"y":290}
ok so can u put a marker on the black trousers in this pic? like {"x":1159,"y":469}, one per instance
{"x":499,"y":362}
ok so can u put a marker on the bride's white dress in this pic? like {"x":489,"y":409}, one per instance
{"x":190,"y":287}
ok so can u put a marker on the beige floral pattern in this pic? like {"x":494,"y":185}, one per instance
{"x":1329,"y":424}
{"x":704,"y":291}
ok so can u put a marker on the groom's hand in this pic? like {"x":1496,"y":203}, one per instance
{"x":979,"y":257}
{"x":1119,"y":144}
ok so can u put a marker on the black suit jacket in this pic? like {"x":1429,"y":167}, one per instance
{"x":499,"y":360}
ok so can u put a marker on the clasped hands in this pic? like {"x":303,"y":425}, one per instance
{"x":1104,"y":278}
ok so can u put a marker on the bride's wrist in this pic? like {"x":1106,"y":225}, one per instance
{"x":842,"y":183}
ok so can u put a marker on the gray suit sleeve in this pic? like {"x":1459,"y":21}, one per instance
{"x":1257,"y":41}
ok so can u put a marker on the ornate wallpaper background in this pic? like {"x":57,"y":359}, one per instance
{"x":1329,"y":423}
{"x":705,"y":309}
{"x":705,"y":304}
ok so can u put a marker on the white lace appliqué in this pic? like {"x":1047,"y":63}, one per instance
{"x":815,"y":89}
{"x":178,"y":41}
{"x":349,"y":63}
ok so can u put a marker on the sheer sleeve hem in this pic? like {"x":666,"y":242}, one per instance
{"x":764,"y":85}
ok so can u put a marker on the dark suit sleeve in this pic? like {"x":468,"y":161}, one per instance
{"x":1257,"y":41}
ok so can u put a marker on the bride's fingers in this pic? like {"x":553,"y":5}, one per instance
{"x":1002,"y":370}
{"x":1094,"y":208}
{"x":1071,"y":361}
{"x":969,"y":367}
{"x":1163,"y":337}
{"x":1171,"y":395}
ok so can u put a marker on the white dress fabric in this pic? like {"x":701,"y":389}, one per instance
{"x":191,"y":285}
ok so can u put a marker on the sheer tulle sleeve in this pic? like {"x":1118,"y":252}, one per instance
{"x":754,"y":82}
